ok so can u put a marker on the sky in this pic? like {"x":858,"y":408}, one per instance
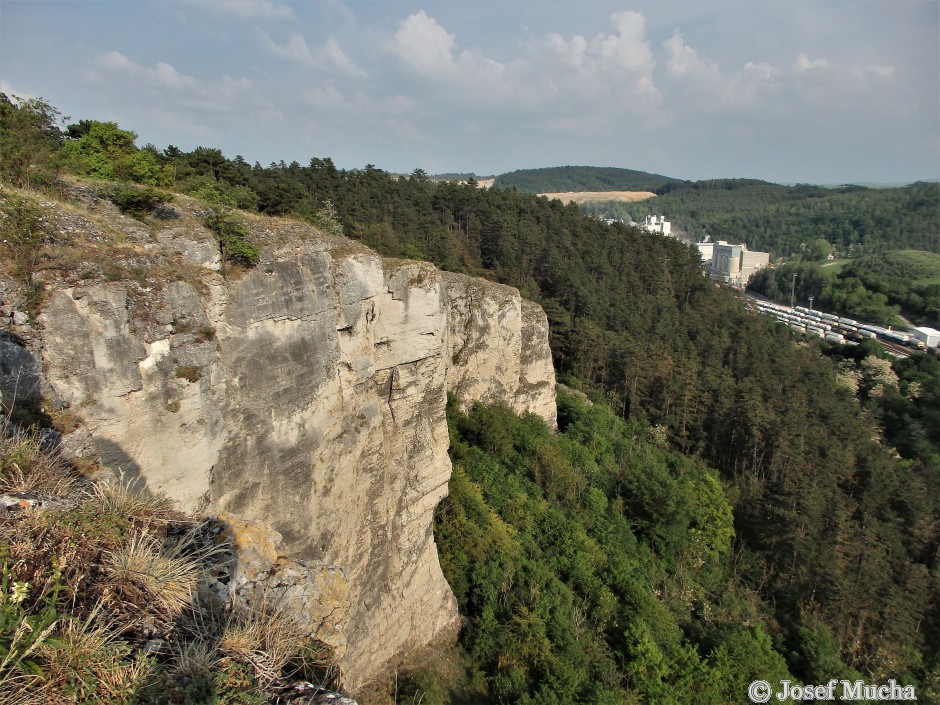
{"x":812,"y":91}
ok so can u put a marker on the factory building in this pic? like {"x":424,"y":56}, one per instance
{"x":706,"y":250}
{"x":732,"y":264}
{"x":929,"y":336}
{"x":658,"y":224}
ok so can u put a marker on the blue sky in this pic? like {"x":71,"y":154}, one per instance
{"x":821,"y":91}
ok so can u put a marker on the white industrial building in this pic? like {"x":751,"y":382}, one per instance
{"x":706,"y":250}
{"x":658,"y":224}
{"x":732,"y":264}
{"x":929,"y":336}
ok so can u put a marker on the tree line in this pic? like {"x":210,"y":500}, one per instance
{"x":787,"y":220}
{"x":834,"y":505}
{"x":873,"y":289}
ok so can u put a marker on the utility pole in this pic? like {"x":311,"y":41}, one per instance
{"x":792,"y":289}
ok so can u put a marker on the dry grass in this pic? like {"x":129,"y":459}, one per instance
{"x":25,"y":468}
{"x":120,"y":571}
{"x":167,"y":577}
{"x":195,"y":659}
{"x":601,"y":196}
{"x":12,"y":677}
{"x":266,"y":637}
{"x":122,"y":499}
{"x":87,"y":660}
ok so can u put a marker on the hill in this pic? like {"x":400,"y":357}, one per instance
{"x":912,"y":266}
{"x":786,"y":220}
{"x":562,"y":179}
{"x":875,"y":289}
{"x":600,"y":560}
{"x":783,"y":220}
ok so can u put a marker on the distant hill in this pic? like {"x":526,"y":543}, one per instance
{"x":458,"y":176}
{"x":911,"y":266}
{"x":561,"y":179}
{"x":784,"y":220}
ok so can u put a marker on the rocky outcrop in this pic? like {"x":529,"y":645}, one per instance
{"x":308,"y":394}
{"x":255,"y":573}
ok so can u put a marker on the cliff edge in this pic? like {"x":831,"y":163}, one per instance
{"x":307,"y":393}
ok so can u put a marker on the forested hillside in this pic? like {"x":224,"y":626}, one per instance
{"x":875,"y":288}
{"x":829,"y":464}
{"x":789,"y":220}
{"x":582,"y":178}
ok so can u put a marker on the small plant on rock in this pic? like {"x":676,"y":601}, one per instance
{"x":233,"y":238}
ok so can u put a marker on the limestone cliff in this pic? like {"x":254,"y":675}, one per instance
{"x":307,"y":393}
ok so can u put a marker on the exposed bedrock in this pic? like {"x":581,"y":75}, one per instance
{"x":308,"y":394}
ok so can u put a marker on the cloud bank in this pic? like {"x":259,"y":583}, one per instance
{"x":432,"y":87}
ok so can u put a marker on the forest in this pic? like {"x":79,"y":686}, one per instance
{"x":787,"y":221}
{"x":583,"y":178}
{"x":734,"y":502}
{"x":876,"y":288}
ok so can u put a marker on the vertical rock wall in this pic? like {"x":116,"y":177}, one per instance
{"x":309,"y":395}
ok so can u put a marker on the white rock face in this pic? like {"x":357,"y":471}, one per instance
{"x":309,"y":395}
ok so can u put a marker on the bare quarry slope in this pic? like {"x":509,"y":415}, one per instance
{"x":600,"y":196}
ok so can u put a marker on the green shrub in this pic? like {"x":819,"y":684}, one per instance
{"x":29,"y":140}
{"x":22,"y":237}
{"x":136,"y":201}
{"x":233,"y":238}
{"x":327,"y":219}
{"x":190,"y":373}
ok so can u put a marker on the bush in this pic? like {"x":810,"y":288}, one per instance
{"x":29,"y":140}
{"x":233,"y":238}
{"x":22,"y":237}
{"x":327,"y":219}
{"x":136,"y":201}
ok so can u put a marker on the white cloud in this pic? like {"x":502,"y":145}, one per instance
{"x":329,"y":56}
{"x":601,"y":76}
{"x":164,"y":94}
{"x":445,"y":76}
{"x":246,"y":9}
{"x":423,"y":45}
{"x":162,"y":75}
{"x":716,"y":88}
{"x":628,"y":49}
{"x":332,"y":53}
{"x":616,"y":65}
{"x":804,"y":63}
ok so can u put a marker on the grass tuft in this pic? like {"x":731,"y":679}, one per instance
{"x":195,"y":659}
{"x":88,"y":661}
{"x":120,"y":498}
{"x":27,"y":469}
{"x":167,"y":577}
{"x":266,"y":637}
